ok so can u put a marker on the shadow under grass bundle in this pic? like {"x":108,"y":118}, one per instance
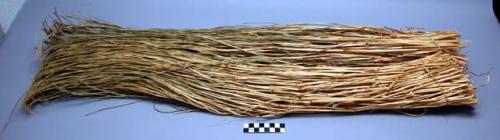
{"x":255,"y":71}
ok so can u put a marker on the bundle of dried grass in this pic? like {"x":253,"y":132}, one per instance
{"x":255,"y":71}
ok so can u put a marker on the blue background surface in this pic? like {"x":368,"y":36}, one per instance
{"x":474,"y":19}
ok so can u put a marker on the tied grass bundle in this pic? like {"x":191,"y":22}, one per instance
{"x":255,"y":71}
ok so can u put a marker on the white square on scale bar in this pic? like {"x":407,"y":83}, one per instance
{"x":267,"y":125}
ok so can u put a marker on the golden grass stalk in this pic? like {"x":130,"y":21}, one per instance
{"x":255,"y":71}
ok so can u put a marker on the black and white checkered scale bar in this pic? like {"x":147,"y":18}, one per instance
{"x":264,"y":128}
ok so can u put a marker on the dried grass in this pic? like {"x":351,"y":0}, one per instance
{"x":255,"y":71}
